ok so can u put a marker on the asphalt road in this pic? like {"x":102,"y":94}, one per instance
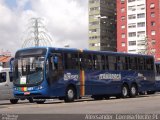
{"x":146,"y":104}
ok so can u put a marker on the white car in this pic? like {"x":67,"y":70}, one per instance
{"x":6,"y":86}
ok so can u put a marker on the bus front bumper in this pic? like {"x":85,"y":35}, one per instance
{"x":30,"y":93}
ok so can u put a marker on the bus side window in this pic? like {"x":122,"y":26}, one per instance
{"x":149,"y":64}
{"x":126,"y":63}
{"x":75,"y":61}
{"x":123,"y":63}
{"x":106,"y":62}
{"x":103,"y":60}
{"x":112,"y":62}
{"x":86,"y":62}
{"x":141,"y":63}
{"x":55,"y":62}
{"x":97,"y":62}
{"x":89,"y":62}
{"x":120,"y":63}
{"x":2,"y":77}
{"x":71,"y":61}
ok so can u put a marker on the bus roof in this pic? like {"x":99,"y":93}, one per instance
{"x":86,"y":51}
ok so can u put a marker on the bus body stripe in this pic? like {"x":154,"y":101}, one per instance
{"x":82,"y":83}
{"x":24,"y":89}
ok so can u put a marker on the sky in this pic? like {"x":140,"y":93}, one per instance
{"x":65,"y":20}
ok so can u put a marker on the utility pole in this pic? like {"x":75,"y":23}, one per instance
{"x":36,"y":34}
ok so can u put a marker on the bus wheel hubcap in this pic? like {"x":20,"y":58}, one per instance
{"x":70,"y":93}
{"x":133,"y":90}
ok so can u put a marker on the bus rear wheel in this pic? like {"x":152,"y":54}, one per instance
{"x":14,"y":101}
{"x":133,"y":91}
{"x":70,"y":94}
{"x":124,"y":91}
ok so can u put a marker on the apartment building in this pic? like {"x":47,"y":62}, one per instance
{"x":138,"y":27}
{"x":102,"y":25}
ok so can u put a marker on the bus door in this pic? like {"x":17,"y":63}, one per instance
{"x":86,"y":69}
{"x":4,"y":86}
{"x":55,"y":67}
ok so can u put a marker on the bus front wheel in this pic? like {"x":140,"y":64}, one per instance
{"x":70,"y":94}
{"x":14,"y":101}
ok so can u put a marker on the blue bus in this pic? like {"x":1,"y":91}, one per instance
{"x":68,"y":74}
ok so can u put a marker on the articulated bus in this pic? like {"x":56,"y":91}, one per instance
{"x":69,"y":74}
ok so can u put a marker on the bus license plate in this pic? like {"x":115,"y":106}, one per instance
{"x":27,"y":93}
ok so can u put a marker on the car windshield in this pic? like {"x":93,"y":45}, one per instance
{"x":28,"y":70}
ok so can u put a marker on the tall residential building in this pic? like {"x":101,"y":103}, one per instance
{"x":102,"y":25}
{"x":138,"y":26}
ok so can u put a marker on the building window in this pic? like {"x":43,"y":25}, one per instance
{"x":132,"y":25}
{"x":122,"y":10}
{"x":153,"y":32}
{"x":132,"y":16}
{"x":153,"y":23}
{"x":93,"y":1}
{"x":152,"y":14}
{"x":123,"y":35}
{"x":152,"y":5}
{"x":141,"y":15}
{"x":93,"y":30}
{"x":141,"y":42}
{"x":141,"y":24}
{"x":141,"y":7}
{"x":123,"y":44}
{"x":122,"y":18}
{"x":132,"y":34}
{"x":123,"y":27}
{"x":153,"y":50}
{"x":141,"y":34}
{"x":131,"y":1}
{"x":132,"y":51}
{"x":94,"y":23}
{"x":132,"y":8}
{"x":94,"y":37}
{"x":94,"y":44}
{"x":94,"y":8}
{"x":132,"y":43}
{"x":153,"y":42}
{"x":122,"y":1}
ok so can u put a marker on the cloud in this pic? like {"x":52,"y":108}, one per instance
{"x":67,"y":22}
{"x":11,"y":27}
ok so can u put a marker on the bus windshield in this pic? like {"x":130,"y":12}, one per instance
{"x":29,"y":70}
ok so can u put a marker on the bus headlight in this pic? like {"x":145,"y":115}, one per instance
{"x":16,"y":89}
{"x":40,"y":87}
